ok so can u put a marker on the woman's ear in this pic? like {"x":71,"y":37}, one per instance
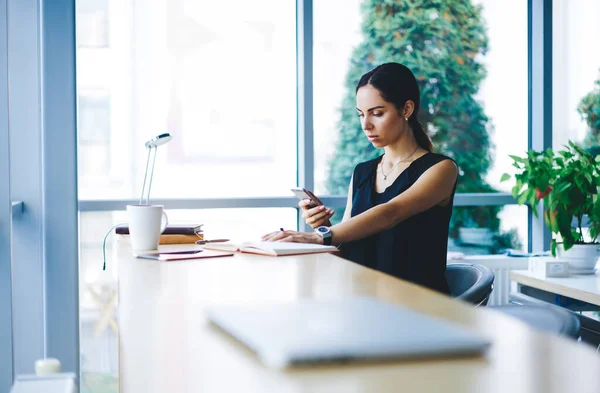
{"x":409,"y":108}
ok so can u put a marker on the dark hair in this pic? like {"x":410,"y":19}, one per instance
{"x":397,"y":84}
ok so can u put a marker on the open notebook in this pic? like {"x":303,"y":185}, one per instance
{"x":272,"y":248}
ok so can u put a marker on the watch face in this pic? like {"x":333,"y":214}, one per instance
{"x":326,"y":234}
{"x":322,"y":230}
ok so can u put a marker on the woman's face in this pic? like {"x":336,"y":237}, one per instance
{"x":379,"y":119}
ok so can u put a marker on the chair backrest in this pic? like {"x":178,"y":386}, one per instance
{"x":470,"y":282}
{"x":549,"y":318}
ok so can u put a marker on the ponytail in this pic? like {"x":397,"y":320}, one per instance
{"x":420,"y":135}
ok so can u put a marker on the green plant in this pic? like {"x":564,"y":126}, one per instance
{"x":442,"y":42}
{"x":568,"y":183}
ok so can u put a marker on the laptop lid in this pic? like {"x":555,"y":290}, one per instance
{"x":357,"y":328}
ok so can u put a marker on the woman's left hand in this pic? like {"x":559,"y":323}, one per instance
{"x":293,"y":236}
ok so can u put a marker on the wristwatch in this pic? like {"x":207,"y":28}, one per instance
{"x":326,"y":234}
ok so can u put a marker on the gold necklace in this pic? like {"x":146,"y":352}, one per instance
{"x":396,"y":164}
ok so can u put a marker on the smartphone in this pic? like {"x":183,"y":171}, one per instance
{"x":303,"y":193}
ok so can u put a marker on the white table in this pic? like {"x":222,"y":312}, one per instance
{"x":585,"y":288}
{"x":166,"y":344}
{"x":579,"y":293}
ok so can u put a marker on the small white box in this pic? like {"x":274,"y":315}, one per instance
{"x":549,"y":267}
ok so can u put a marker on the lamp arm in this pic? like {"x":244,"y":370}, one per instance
{"x":152,"y":144}
{"x":151,"y":176}
{"x":145,"y":176}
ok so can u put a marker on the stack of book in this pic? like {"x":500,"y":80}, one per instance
{"x":173,"y":234}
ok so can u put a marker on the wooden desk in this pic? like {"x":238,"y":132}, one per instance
{"x":166,"y":345}
{"x":581,"y":287}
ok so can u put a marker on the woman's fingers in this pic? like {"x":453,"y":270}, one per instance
{"x":278,"y":236}
{"x":304,"y":203}
{"x":320,"y":223}
{"x":325,"y":220}
{"x":292,"y":236}
{"x":319,"y":218}
{"x":299,"y":237}
{"x":272,"y":236}
{"x":313,"y":211}
{"x":315,"y":217}
{"x":289,"y":239}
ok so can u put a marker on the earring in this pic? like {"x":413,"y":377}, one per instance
{"x":406,"y":118}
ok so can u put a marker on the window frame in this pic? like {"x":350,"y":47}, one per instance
{"x":6,"y":342}
{"x":39,"y":235}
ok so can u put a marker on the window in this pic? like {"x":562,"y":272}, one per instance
{"x":98,"y":289}
{"x":94,"y":118}
{"x":94,"y":135}
{"x":473,"y":239}
{"x":481,"y":71}
{"x":333,"y":42}
{"x":92,"y":23}
{"x":224,"y":88}
{"x":576,"y":74}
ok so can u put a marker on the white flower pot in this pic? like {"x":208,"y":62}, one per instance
{"x":582,"y":258}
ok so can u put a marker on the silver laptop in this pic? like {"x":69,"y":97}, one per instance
{"x":358,"y":328}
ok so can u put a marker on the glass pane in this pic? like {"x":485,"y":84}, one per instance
{"x":97,"y":296}
{"x":576,"y":73}
{"x":92,"y":23}
{"x":224,"y":87}
{"x":481,"y":71}
{"x":333,"y":42}
{"x":509,"y":231}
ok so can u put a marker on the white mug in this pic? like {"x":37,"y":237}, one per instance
{"x":146,"y":223}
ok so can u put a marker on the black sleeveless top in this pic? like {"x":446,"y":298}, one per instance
{"x":415,"y":249}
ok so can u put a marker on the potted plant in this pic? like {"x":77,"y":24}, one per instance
{"x":568,"y":183}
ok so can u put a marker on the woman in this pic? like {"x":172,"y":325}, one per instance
{"x":399,"y":204}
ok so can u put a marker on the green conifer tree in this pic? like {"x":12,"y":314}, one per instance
{"x":589,"y":110}
{"x":442,"y":42}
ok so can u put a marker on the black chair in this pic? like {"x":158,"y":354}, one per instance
{"x":542,"y":315}
{"x":470,"y":282}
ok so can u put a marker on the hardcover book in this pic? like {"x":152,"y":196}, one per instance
{"x":172,"y":229}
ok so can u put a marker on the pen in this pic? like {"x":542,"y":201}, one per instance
{"x":183,"y":252}
{"x":211,"y":241}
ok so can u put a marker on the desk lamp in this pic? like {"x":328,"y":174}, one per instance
{"x":152,"y":144}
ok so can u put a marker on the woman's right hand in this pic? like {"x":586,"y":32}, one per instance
{"x":315,"y":216}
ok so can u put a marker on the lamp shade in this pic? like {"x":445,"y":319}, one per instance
{"x":158,"y":140}
{"x":152,"y":144}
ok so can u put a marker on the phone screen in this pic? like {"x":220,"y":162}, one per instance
{"x":302,"y":193}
